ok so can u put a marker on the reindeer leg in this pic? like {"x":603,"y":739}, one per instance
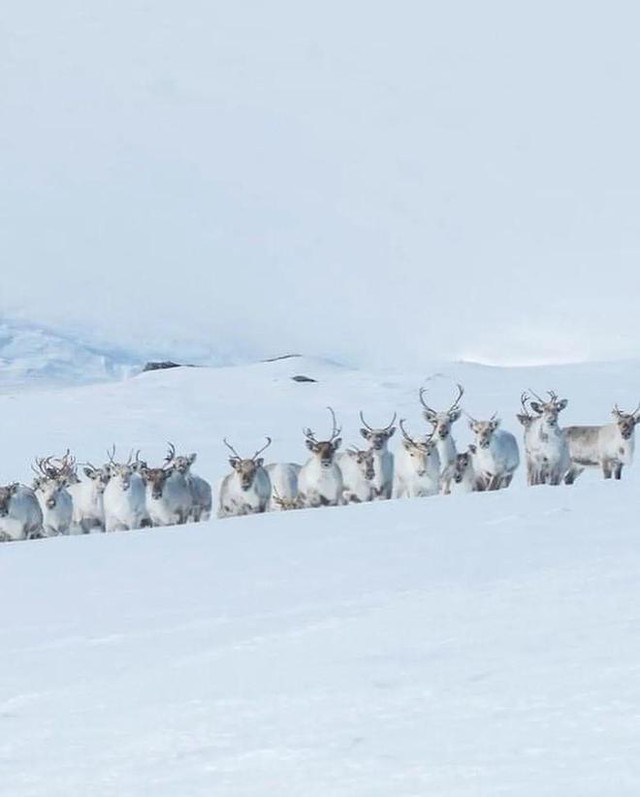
{"x":606,"y":469}
{"x":618,"y":471}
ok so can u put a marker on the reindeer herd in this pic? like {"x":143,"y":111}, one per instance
{"x":117,"y":496}
{"x":429,"y":464}
{"x":128,"y":495}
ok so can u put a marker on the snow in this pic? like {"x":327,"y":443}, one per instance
{"x":482,"y":644}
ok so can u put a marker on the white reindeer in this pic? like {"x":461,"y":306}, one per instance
{"x":88,"y":499}
{"x":442,"y":423}
{"x":200,"y":489}
{"x":50,"y":487}
{"x":284,"y":485}
{"x":20,"y":513}
{"x":609,"y":447}
{"x":417,"y":467}
{"x":545,"y":443}
{"x":357,"y":467}
{"x":124,"y":497}
{"x":460,"y":476}
{"x":378,"y":439}
{"x":320,"y":479}
{"x":496,"y":456}
{"x":247,"y":489}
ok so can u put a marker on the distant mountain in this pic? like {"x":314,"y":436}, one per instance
{"x":33,"y":354}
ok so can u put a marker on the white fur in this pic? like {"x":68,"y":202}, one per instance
{"x":417,"y":471}
{"x":24,"y":516}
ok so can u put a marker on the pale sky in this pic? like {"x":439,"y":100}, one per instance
{"x":371,"y":181}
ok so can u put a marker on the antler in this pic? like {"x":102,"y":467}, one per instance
{"x":406,"y":434}
{"x":459,"y":396}
{"x":231,"y":448}
{"x":260,"y":450}
{"x":171,"y":453}
{"x":384,"y":428}
{"x":111,"y":454}
{"x":335,"y":431}
{"x":309,"y":434}
{"x":423,"y":390}
{"x":523,"y":402}
{"x":45,"y":468}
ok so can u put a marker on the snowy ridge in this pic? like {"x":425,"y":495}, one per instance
{"x":31,"y":355}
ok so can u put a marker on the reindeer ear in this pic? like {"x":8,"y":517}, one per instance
{"x":310,"y":445}
{"x":524,"y":419}
{"x":494,"y":424}
{"x":365,"y":433}
{"x":88,"y":472}
{"x":234,"y":462}
{"x":429,"y":415}
{"x":536,"y":407}
{"x":391,"y":431}
{"x":454,"y":415}
{"x":337,"y":443}
{"x":473,"y":449}
{"x":562,"y":404}
{"x":192,"y":458}
{"x":13,"y":488}
{"x":259,"y":462}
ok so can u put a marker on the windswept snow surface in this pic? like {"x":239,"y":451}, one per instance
{"x":469,"y":646}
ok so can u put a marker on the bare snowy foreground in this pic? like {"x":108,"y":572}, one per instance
{"x":476,"y":645}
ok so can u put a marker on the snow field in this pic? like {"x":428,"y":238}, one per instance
{"x":474,"y":645}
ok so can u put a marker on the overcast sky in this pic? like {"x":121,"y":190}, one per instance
{"x":365,"y":180}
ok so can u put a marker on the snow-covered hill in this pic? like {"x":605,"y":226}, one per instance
{"x":34,"y":356}
{"x":463,"y":646}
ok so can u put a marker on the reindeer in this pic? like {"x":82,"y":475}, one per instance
{"x":442,"y":423}
{"x":357,"y":467}
{"x":320,"y":479}
{"x":460,"y":476}
{"x":496,"y":455}
{"x":378,"y":439}
{"x":247,"y":489}
{"x":609,"y":447}
{"x":88,"y":498}
{"x":169,"y":496}
{"x":545,"y":443}
{"x":50,"y":487}
{"x":284,"y":485}
{"x":417,"y":467}
{"x":124,"y":496}
{"x":20,"y":513}
{"x":200,"y":489}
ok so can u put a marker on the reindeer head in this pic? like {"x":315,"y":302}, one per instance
{"x":50,"y":479}
{"x":442,"y":421}
{"x":483,"y":430}
{"x":6,"y":494}
{"x":378,"y":437}
{"x":462,"y":463}
{"x":155,"y":478}
{"x":246,"y":469}
{"x":99,"y":476}
{"x":324,"y":449}
{"x":525,"y":417}
{"x":418,"y":450}
{"x":49,"y":489}
{"x":548,"y":411}
{"x":120,"y":472}
{"x":626,"y":421}
{"x":180,"y":464}
{"x":364,"y":459}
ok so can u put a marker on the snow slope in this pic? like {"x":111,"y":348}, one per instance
{"x":469,"y":646}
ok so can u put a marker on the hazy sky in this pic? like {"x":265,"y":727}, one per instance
{"x":365,"y":180}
